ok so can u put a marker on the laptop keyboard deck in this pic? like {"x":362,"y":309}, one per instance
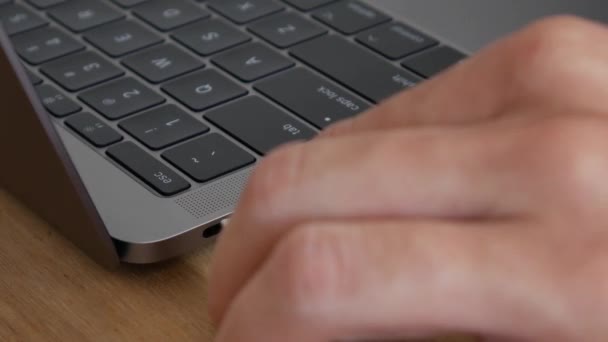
{"x":179,"y":92}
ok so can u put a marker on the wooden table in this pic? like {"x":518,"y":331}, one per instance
{"x":49,"y":291}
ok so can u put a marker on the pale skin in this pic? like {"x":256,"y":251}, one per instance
{"x":475,"y":203}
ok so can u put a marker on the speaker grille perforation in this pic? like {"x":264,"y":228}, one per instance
{"x":220,"y":196}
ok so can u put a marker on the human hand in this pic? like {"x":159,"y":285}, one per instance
{"x":475,"y":203}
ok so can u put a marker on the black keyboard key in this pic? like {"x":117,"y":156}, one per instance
{"x":56,"y":102}
{"x":252,"y":61}
{"x":210,"y":36}
{"x":81,"y":70}
{"x":395,"y":40}
{"x":121,"y":38}
{"x":82,"y":15}
{"x":121,"y":98}
{"x":204,"y":89}
{"x":243,"y":12}
{"x":163,"y":126}
{"x":208,"y":157}
{"x":42,"y":4}
{"x":93,"y":129}
{"x":42,"y":45}
{"x":307,"y":5}
{"x":350,"y":17}
{"x":16,"y":19}
{"x":258,"y":124}
{"x":161,"y":63}
{"x":145,"y":167}
{"x":166,"y":15}
{"x":128,"y":3}
{"x":313,"y":98}
{"x":33,"y":78}
{"x":431,"y":62}
{"x":355,"y":67}
{"x":286,"y":29}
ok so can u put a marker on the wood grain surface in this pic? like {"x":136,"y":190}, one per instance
{"x":50,"y":291}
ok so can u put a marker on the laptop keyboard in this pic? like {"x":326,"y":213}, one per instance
{"x":178,"y":93}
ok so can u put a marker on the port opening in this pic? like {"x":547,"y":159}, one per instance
{"x":212,"y":231}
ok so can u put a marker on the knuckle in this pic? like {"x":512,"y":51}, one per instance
{"x":558,"y":26}
{"x":542,"y":55}
{"x":313,"y":268}
{"x":569,"y":153}
{"x":551,"y":36}
{"x":338,"y":129}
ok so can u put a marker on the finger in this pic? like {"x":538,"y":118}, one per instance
{"x":397,"y":279}
{"x":429,"y":172}
{"x":535,"y":65}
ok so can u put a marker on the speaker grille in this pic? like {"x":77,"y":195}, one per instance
{"x":220,"y":196}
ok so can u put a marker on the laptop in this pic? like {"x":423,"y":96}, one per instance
{"x":132,"y":126}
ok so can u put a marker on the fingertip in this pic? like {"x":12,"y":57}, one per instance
{"x":337,"y":129}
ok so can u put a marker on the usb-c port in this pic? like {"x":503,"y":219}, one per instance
{"x":212,"y":231}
